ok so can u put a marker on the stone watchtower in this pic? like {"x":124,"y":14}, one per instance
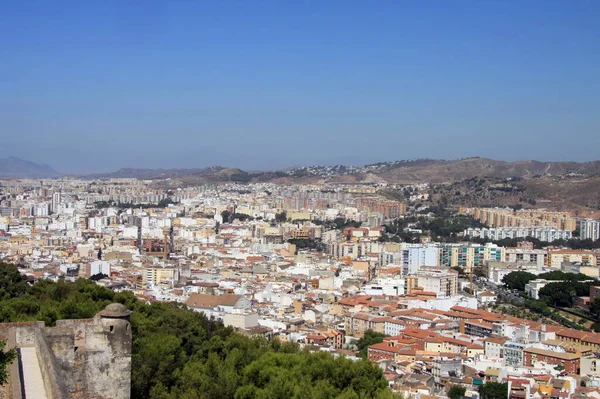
{"x":77,"y":359}
{"x":108,"y":354}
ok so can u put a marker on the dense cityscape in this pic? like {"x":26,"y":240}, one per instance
{"x":439,"y":299}
{"x":300,"y":200}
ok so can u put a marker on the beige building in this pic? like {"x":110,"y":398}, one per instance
{"x":158,"y":275}
{"x":439,"y":280}
{"x":499,"y":217}
{"x":240,"y":320}
{"x":557,"y":257}
{"x":357,"y":323}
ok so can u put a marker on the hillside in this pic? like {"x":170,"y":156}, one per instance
{"x":559,"y":193}
{"x":449,"y":171}
{"x":408,"y":171}
{"x":13,"y":167}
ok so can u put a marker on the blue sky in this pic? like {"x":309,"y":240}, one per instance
{"x":95,"y":86}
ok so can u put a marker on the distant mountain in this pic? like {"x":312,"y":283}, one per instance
{"x":153,"y":174}
{"x":213,"y":174}
{"x":13,"y":167}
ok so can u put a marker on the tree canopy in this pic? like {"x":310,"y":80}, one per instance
{"x":595,"y":306}
{"x":494,"y":390}
{"x":369,"y":338}
{"x":456,"y":392}
{"x":6,"y":358}
{"x":562,"y":293}
{"x":517,"y":280}
{"x":281,"y":217}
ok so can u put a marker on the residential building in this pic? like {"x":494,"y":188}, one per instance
{"x":513,"y":353}
{"x":589,"y":229}
{"x":568,"y":360}
{"x":557,"y":256}
{"x":542,"y":233}
{"x":442,"y":281}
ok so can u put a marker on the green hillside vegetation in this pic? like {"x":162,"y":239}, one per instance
{"x":177,"y":353}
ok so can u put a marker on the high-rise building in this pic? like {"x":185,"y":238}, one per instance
{"x":55,"y":202}
{"x":589,"y":228}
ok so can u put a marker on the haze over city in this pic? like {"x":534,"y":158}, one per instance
{"x":96,"y":86}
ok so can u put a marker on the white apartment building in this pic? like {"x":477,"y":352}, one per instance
{"x":589,"y":229}
{"x":393,"y":327}
{"x":542,"y":233}
{"x":442,"y":281}
{"x":386,"y":286}
{"x":493,"y":347}
{"x":532,"y":288}
{"x":411,"y":258}
{"x":99,"y":267}
{"x":524,"y":255}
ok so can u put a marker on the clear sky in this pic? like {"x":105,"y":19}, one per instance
{"x":95,"y":86}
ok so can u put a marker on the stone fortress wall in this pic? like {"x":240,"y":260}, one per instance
{"x":78,"y":359}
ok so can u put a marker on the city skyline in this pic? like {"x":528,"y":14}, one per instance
{"x":340,"y":199}
{"x":96,"y":87}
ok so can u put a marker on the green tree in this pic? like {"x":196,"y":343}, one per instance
{"x":517,"y":280}
{"x":494,"y":390}
{"x":595,"y":307}
{"x":11,"y":282}
{"x":478,"y":271}
{"x":562,"y":293}
{"x":281,"y":216}
{"x":225,"y":215}
{"x":560,"y":275}
{"x":460,"y":270}
{"x":242,"y":217}
{"x":6,"y":358}
{"x":98,"y":276}
{"x":369,"y":338}
{"x":456,"y":392}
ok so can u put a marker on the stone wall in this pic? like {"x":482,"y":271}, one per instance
{"x":79,"y":359}
{"x":54,"y":375}
{"x":12,"y":389}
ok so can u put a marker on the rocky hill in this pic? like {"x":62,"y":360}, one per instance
{"x":449,"y":171}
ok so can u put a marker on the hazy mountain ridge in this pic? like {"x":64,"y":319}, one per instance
{"x":153,"y":174}
{"x":403,"y":171}
{"x":13,"y":167}
{"x":406,"y":171}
